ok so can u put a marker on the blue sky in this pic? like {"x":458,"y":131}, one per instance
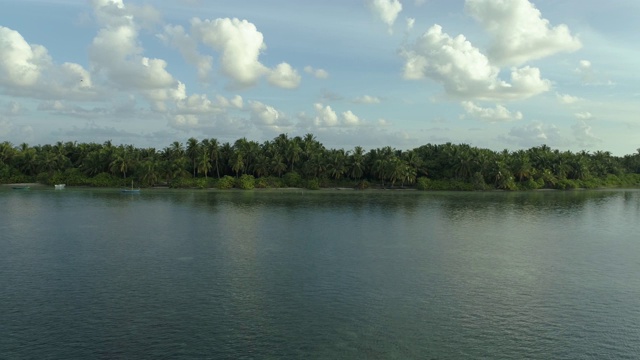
{"x":500,"y":74}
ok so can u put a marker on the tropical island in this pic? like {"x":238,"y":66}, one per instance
{"x":302,"y":161}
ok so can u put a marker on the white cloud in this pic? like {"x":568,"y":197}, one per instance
{"x":284,"y":76}
{"x":325,"y":116}
{"x":184,"y":121}
{"x":386,"y":10}
{"x":197,"y":104}
{"x":268,"y":117}
{"x":583,"y":135}
{"x":520,"y":32}
{"x":367,"y":99}
{"x":351,"y":119}
{"x":177,"y":37}
{"x":19,"y":61}
{"x":585,"y":70}
{"x":585,"y":115}
{"x":28,"y":70}
{"x":464,"y":71}
{"x":411,"y":22}
{"x":536,"y":133}
{"x":239,"y":43}
{"x":318,"y":73}
{"x":160,"y":96}
{"x":567,"y":99}
{"x":497,"y":114}
{"x":115,"y":53}
{"x":236,"y":101}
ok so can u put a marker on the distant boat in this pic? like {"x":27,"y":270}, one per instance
{"x":59,"y":186}
{"x":21,"y":187}
{"x":132,"y":190}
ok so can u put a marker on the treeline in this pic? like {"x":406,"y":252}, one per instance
{"x":305,"y":162}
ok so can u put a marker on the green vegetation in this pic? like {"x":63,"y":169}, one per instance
{"x":305,"y":162}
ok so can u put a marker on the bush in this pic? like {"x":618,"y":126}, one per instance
{"x":477,"y":180}
{"x":245,"y":182}
{"x":292,"y":179}
{"x":530,"y":184}
{"x":423,"y":183}
{"x":313,"y":184}
{"x":226,"y":182}
{"x":73,"y":177}
{"x":362,"y":185}
{"x":105,"y":180}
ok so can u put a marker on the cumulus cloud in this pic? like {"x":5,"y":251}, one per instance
{"x":492,"y":115}
{"x":239,"y":43}
{"x":583,"y":134}
{"x":350,"y":119}
{"x":19,"y":61}
{"x":115,"y":53}
{"x":519,"y":31}
{"x":567,"y":99}
{"x":464,"y":71}
{"x":266,"y":116}
{"x":386,"y":10}
{"x":536,"y":133}
{"x":284,"y":76}
{"x":367,"y":99}
{"x":28,"y":70}
{"x":235,"y":102}
{"x":585,"y":71}
{"x":326,"y":117}
{"x":177,"y":37}
{"x":182,"y":121}
{"x":318,"y":73}
{"x":585,"y":115}
{"x":411,"y":22}
{"x":197,"y":104}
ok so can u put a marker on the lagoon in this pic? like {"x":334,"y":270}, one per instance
{"x":95,"y":273}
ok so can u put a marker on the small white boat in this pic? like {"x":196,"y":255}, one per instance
{"x":132,"y":190}
{"x":59,"y":186}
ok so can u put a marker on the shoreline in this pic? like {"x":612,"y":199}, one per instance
{"x":324,"y":189}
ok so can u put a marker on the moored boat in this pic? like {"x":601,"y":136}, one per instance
{"x":59,"y":186}
{"x":132,"y":190}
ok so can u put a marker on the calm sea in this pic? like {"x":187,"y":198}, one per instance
{"x":97,"y":274}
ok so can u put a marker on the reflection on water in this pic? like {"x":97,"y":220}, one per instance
{"x":93,"y":273}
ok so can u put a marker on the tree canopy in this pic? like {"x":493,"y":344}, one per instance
{"x":304,"y":161}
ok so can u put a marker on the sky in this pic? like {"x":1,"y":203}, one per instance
{"x":497,"y":74}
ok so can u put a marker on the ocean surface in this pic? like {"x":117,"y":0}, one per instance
{"x":297,"y":274}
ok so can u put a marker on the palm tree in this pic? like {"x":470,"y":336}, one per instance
{"x":204,"y":165}
{"x":193,"y":153}
{"x":357,"y":163}
{"x":212,"y":148}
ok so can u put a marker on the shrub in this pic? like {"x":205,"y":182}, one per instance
{"x":105,"y":180}
{"x":292,"y":179}
{"x":477,"y":180}
{"x":313,"y":184}
{"x":245,"y":182}
{"x":226,"y":182}
{"x":363,"y":184}
{"x":423,"y":183}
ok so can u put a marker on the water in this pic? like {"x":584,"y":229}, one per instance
{"x":96,"y":274}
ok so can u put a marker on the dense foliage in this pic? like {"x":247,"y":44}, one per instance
{"x":304,"y":162}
